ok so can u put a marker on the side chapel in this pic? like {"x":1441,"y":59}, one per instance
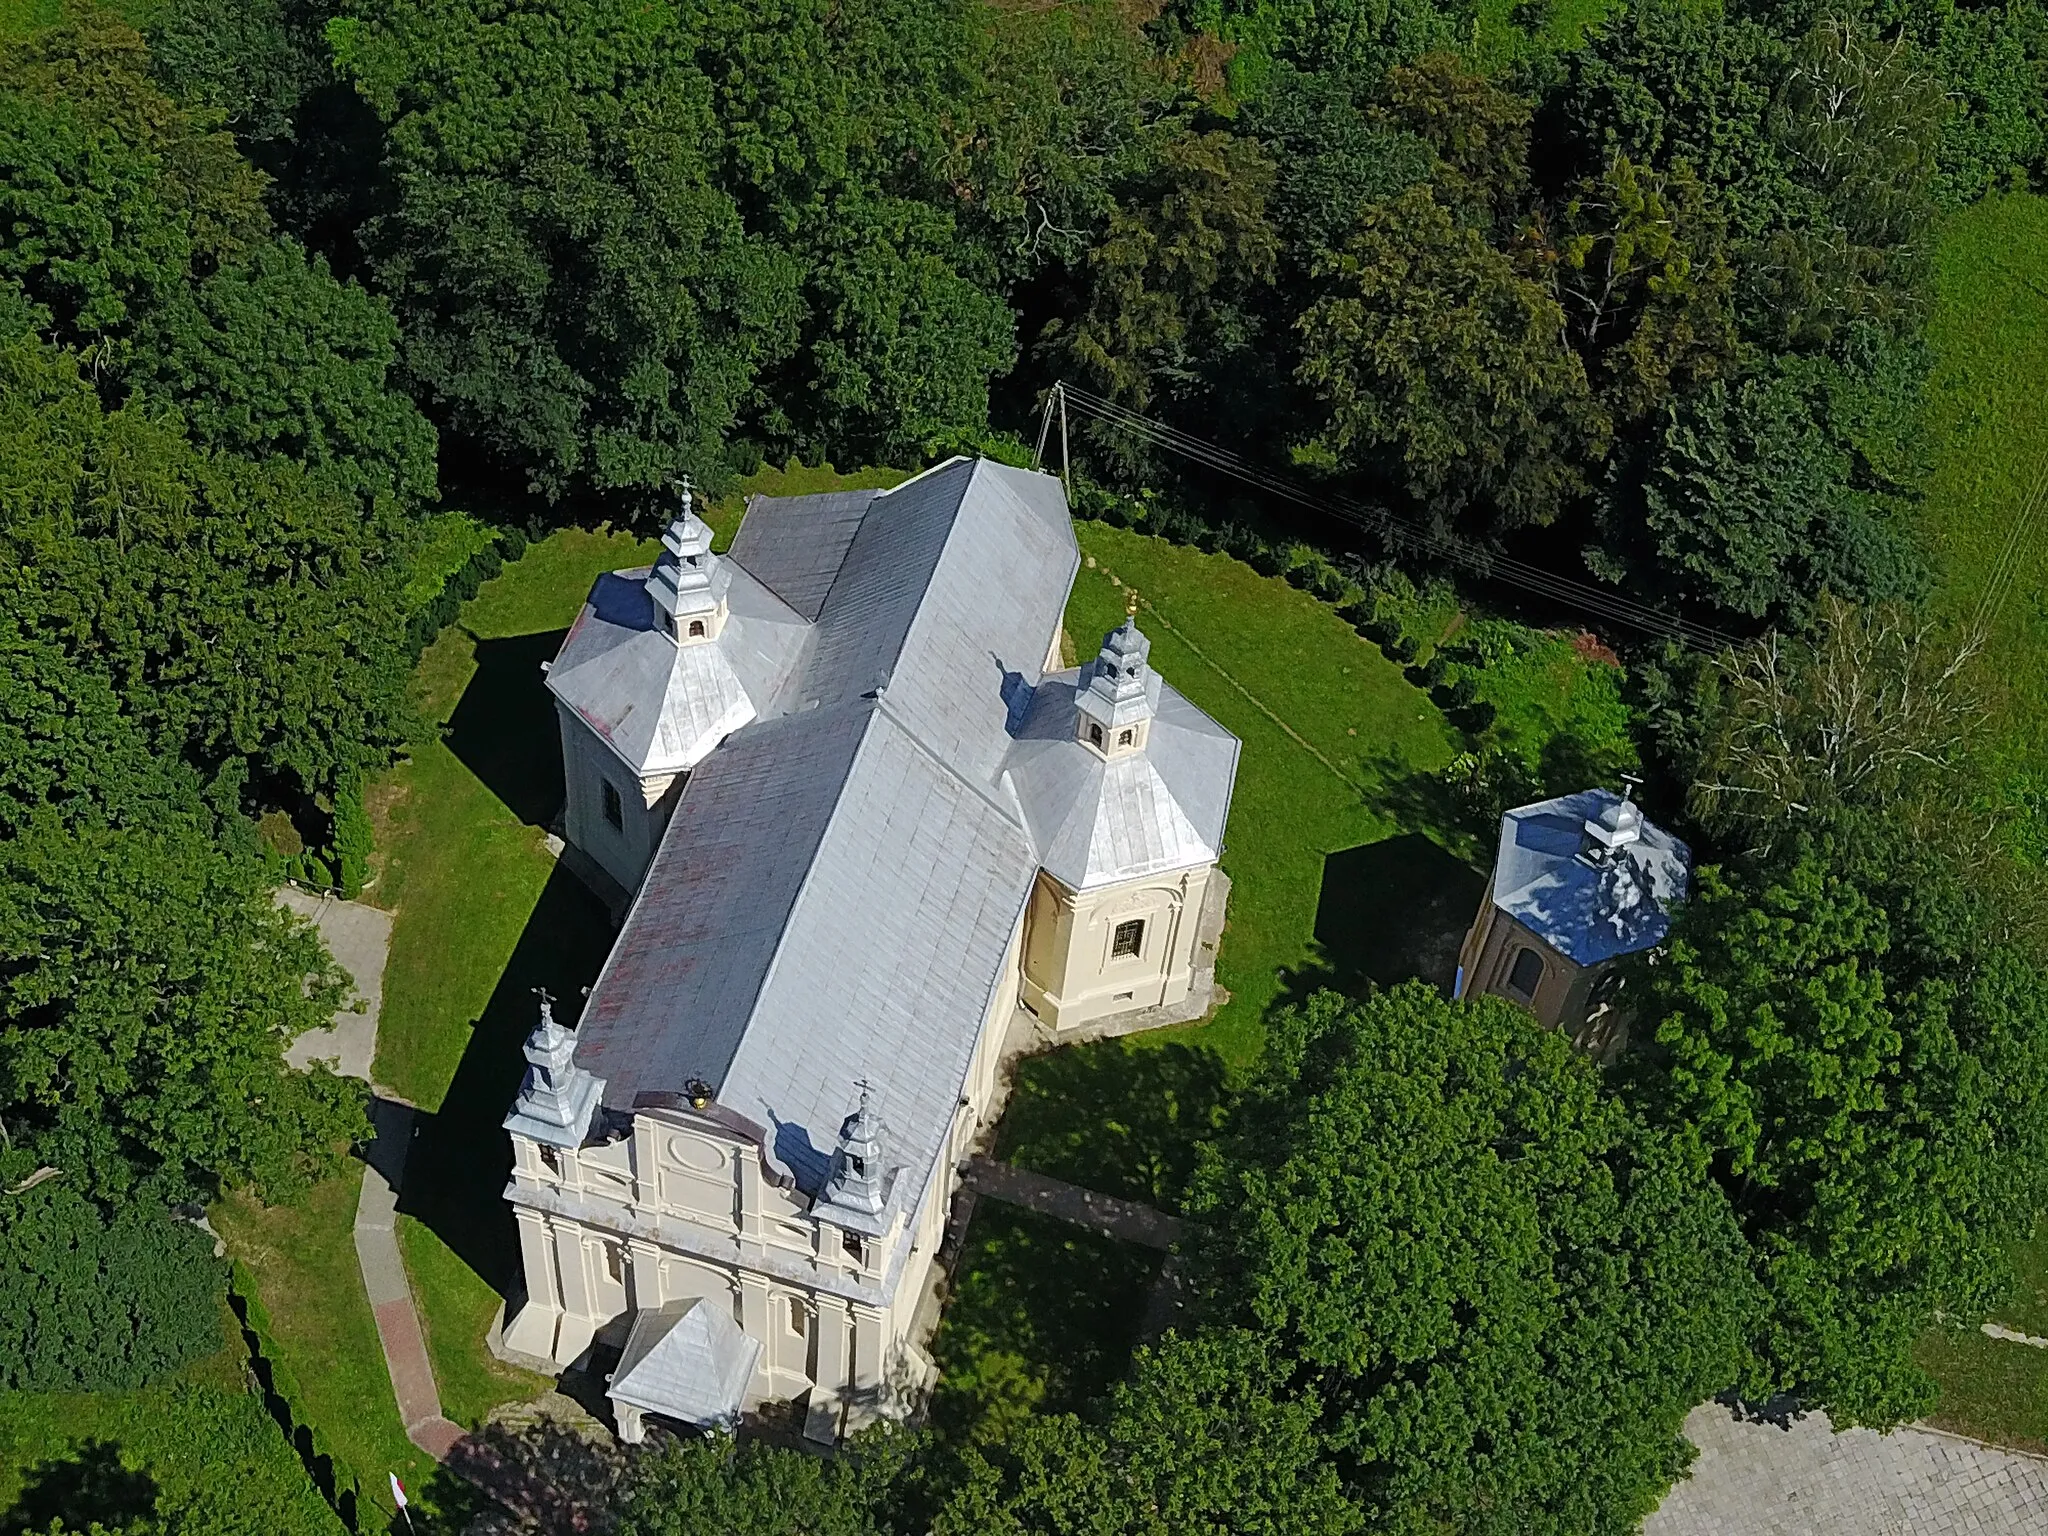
{"x":869,"y":839}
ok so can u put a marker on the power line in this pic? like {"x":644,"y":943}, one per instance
{"x":1393,"y":529}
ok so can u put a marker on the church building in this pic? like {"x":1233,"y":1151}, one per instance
{"x":870,"y":839}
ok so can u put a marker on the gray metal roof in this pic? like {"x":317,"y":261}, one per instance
{"x":836,"y":893}
{"x":661,"y":706}
{"x":1588,"y":908}
{"x":794,"y":545}
{"x":687,"y":1361}
{"x":1098,"y":822}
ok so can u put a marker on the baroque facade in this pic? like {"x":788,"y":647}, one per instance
{"x":869,"y":839}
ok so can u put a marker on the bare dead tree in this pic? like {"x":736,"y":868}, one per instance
{"x":1875,"y":707}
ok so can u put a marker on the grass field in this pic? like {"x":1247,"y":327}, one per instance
{"x":1988,"y":433}
{"x":200,"y":1444}
{"x":1987,"y":425}
{"x":1996,"y":1389}
{"x":303,"y":1260}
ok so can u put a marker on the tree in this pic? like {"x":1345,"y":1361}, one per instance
{"x":139,"y":238}
{"x":1428,"y":342}
{"x":609,"y":229}
{"x":1876,"y":711}
{"x":92,"y":1301}
{"x":1184,"y":243}
{"x":273,"y":357}
{"x":1501,"y":1293}
{"x":236,"y":610}
{"x":1644,"y":273}
{"x":148,"y":987}
{"x":1865,"y":1068}
{"x":1204,"y":1437}
{"x":715,"y":1487}
{"x":1755,"y":496}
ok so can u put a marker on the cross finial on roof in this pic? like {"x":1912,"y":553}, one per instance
{"x":547,"y":1007}
{"x":684,"y":483}
{"x":1629,"y":784}
{"x":866,"y":1089}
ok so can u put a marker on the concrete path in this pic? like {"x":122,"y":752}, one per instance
{"x":1756,"y":1479}
{"x":358,"y":937}
{"x":1125,"y":1219}
{"x":384,"y":1278}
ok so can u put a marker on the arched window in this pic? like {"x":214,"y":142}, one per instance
{"x":696,"y":629}
{"x":1525,"y":975}
{"x":1124,"y":738}
{"x":1095,"y":735}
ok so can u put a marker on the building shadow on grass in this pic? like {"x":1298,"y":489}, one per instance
{"x":503,"y":729}
{"x":1389,"y":912}
{"x":461,"y":1157}
{"x":89,"y":1485}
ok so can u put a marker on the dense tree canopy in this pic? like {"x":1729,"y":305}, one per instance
{"x":1453,"y":1284}
{"x":1860,"y":1055}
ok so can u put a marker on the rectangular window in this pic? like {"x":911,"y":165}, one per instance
{"x":551,"y":1160}
{"x":614,"y":1264}
{"x":1526,"y":975}
{"x":797,"y":1322}
{"x":614,"y":811}
{"x":856,"y":1250}
{"x":1128,"y":940}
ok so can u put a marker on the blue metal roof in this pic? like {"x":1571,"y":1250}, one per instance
{"x":1585,"y":902}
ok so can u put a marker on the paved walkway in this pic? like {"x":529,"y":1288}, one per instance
{"x":1125,"y":1219}
{"x":1756,"y":1479}
{"x":358,"y":937}
{"x":384,"y":1278}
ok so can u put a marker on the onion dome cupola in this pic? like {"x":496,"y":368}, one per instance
{"x":1117,"y":693}
{"x":688,"y":583}
{"x":557,"y":1097}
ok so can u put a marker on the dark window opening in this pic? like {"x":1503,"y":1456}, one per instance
{"x":551,"y":1160}
{"x":856,"y":1250}
{"x":614,"y":808}
{"x":1525,"y":974}
{"x":1124,"y":738}
{"x":696,"y":629}
{"x":1128,"y":940}
{"x":860,"y":1166}
{"x":797,"y":1321}
{"x":1095,"y":734}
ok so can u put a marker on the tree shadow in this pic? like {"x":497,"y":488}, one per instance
{"x":1390,"y":911}
{"x":460,"y":1156}
{"x":90,"y":1486}
{"x":1041,"y":1318}
{"x":503,"y":729}
{"x":1113,"y":1116}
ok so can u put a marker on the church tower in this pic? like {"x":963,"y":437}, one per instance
{"x":1117,"y":692}
{"x":688,"y":582}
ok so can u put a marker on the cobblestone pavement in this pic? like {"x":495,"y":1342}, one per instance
{"x":1755,"y":1479}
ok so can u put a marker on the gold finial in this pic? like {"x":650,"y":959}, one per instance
{"x":1131,"y":603}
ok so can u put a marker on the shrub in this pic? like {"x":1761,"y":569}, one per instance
{"x":91,"y":1302}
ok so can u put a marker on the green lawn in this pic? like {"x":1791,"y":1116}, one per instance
{"x":200,"y":1444}
{"x":1987,"y":424}
{"x":1996,"y":1389}
{"x":1988,"y":432}
{"x":1328,"y":724}
{"x":303,"y":1260}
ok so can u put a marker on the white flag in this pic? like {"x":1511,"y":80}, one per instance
{"x":397,"y":1490}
